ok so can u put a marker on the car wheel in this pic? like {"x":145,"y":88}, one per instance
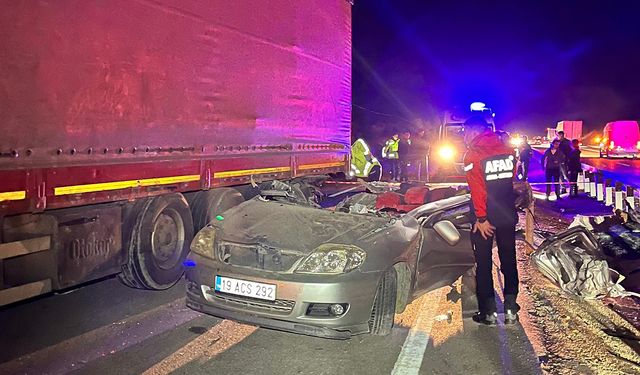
{"x":159,"y":243}
{"x":206,"y":205}
{"x":384,"y":305}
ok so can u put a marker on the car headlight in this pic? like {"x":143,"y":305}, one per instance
{"x":333,"y":259}
{"x":203,"y":242}
{"x":447,"y":152}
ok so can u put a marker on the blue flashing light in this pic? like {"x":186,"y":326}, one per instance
{"x":189,"y":263}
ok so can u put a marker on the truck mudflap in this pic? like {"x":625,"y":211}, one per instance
{"x":45,"y":252}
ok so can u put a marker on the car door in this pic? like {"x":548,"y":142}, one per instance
{"x":440,"y":263}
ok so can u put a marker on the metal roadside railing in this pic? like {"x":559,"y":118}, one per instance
{"x":610,"y":192}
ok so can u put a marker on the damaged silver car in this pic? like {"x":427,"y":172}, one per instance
{"x":295,"y":267}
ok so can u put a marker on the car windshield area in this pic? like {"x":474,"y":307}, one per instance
{"x":453,"y":133}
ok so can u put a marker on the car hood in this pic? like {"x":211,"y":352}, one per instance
{"x":288,"y":226}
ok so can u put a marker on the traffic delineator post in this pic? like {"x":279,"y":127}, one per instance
{"x":580,"y":181}
{"x":600,"y":190}
{"x":608,"y":193}
{"x":630,"y":198}
{"x":587,"y":182}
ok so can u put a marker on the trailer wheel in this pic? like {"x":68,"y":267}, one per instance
{"x":384,"y":305}
{"x":206,"y":205}
{"x":159,"y":243}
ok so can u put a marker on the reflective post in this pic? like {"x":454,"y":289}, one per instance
{"x":587,"y":184}
{"x":630,"y":198}
{"x":608,"y":193}
{"x":581,"y":181}
{"x":620,"y":196}
{"x":600,"y":188}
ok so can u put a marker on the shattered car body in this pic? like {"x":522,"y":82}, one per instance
{"x":298,"y":268}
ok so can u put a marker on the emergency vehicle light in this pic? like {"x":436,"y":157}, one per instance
{"x":478,"y":106}
{"x":447,"y":152}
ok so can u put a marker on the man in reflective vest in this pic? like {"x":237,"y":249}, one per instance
{"x":362,"y":161}
{"x":390,"y":151}
{"x":490,"y":167}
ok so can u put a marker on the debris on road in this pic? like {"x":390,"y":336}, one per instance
{"x":573,"y":330}
{"x":574,"y":261}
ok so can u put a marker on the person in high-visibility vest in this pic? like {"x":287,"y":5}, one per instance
{"x":362,"y":161}
{"x":390,"y":151}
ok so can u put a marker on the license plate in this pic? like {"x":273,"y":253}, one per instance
{"x":245,"y":288}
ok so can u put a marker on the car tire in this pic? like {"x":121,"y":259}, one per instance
{"x":206,"y":205}
{"x":159,"y":243}
{"x":384,"y":305}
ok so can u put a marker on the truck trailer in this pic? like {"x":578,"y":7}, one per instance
{"x":571,"y":129}
{"x":128,"y":125}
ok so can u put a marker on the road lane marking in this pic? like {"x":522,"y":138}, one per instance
{"x":410,"y":357}
{"x":206,"y":346}
{"x":76,"y":352}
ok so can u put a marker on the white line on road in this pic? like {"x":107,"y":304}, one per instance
{"x":410,"y":358}
{"x":625,"y":164}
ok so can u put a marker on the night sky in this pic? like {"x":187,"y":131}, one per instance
{"x":533,"y":62}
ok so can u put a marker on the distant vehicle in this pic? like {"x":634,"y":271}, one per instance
{"x":571,"y":129}
{"x":446,"y":162}
{"x":536,"y":140}
{"x":620,"y":138}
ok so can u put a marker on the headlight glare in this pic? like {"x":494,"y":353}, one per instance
{"x":203,"y":242}
{"x":333,"y":259}
{"x":447,"y":152}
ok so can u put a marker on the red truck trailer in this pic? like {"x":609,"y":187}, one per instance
{"x":125,"y":123}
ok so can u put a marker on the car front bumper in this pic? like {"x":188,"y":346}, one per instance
{"x":295,"y":294}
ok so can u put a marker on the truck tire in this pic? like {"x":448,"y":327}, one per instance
{"x":384,"y":305}
{"x":159,"y":243}
{"x":206,"y":205}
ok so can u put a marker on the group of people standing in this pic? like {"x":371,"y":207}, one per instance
{"x":402,"y":151}
{"x":562,"y":162}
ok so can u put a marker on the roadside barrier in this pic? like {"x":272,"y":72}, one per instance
{"x":611,"y":193}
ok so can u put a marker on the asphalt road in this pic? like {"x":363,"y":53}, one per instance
{"x":106,"y":327}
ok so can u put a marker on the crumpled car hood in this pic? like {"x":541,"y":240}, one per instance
{"x":292,"y":227}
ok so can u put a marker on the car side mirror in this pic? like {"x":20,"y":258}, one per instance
{"x":447,"y":231}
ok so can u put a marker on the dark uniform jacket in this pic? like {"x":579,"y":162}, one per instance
{"x":573,"y":161}
{"x":553,"y":161}
{"x":489,"y":166}
{"x":565,"y":146}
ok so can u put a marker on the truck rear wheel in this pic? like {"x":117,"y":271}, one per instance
{"x":206,"y":205}
{"x":159,"y":243}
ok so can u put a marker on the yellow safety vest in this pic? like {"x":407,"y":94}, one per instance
{"x":362,"y":162}
{"x":390,"y":150}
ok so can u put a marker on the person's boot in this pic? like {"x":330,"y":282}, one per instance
{"x":510,"y":316}
{"x":511,"y":309}
{"x":486,"y":319}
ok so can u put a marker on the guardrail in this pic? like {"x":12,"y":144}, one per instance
{"x":608,"y":191}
